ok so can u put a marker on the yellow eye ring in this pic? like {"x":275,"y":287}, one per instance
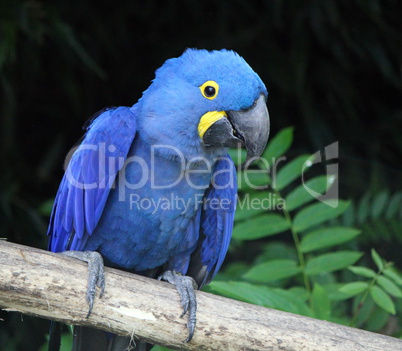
{"x":209,"y":89}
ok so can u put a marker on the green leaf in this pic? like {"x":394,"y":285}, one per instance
{"x":316,"y":214}
{"x":382,"y":299}
{"x":330,"y":262}
{"x":301,"y":196}
{"x":377,"y":320}
{"x":260,"y":227}
{"x":363,"y":208}
{"x":275,"y":250}
{"x":390,"y":272}
{"x":233,"y":271}
{"x":395,"y":204}
{"x":278,"y":145}
{"x":363,"y":271}
{"x":377,"y":259}
{"x":348,"y":217}
{"x":333,"y":292}
{"x":379,"y":204}
{"x":364,"y":308}
{"x":160,"y":348}
{"x":320,"y":303}
{"x":66,"y":342}
{"x":273,"y":270}
{"x":262,"y":295}
{"x":300,"y":291}
{"x":290,"y":171}
{"x":353,"y":289}
{"x":256,"y":179}
{"x":389,"y":286}
{"x":327,"y":237}
{"x":252,"y":204}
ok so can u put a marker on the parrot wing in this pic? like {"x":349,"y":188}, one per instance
{"x":89,"y":176}
{"x":217,"y":219}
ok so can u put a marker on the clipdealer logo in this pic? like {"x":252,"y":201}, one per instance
{"x":106,"y":168}
{"x":329,"y":156}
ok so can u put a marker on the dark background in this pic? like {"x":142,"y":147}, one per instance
{"x":332,"y":68}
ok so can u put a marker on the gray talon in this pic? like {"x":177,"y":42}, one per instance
{"x":186,"y":288}
{"x":96,"y":275}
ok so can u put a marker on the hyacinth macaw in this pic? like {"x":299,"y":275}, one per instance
{"x":151,"y":188}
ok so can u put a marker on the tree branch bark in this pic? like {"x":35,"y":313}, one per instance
{"x":44,"y":284}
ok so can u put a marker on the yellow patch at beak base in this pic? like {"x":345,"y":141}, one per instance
{"x":208,"y":120}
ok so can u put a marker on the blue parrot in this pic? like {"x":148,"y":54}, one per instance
{"x":151,"y":188}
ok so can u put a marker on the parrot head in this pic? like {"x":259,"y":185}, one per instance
{"x":205,"y":101}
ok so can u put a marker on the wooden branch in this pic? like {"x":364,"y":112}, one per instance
{"x":51,"y":286}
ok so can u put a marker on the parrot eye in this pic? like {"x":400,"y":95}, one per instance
{"x":209,"y":89}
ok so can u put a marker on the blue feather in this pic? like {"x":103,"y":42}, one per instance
{"x":218,"y":217}
{"x":132,"y":155}
{"x":80,"y":200}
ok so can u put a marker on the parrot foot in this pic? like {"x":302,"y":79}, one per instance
{"x":96,"y":275}
{"x":186,"y":288}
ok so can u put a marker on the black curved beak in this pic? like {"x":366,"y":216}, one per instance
{"x":248,"y":127}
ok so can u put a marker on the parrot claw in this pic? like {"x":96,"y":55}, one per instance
{"x":96,"y":275}
{"x":186,"y":287}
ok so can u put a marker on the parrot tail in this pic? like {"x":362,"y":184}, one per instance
{"x":88,"y":339}
{"x":93,"y":339}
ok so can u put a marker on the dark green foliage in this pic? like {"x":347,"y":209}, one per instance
{"x":332,"y":69}
{"x":379,"y":216}
{"x":315,"y":272}
{"x":309,"y":271}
